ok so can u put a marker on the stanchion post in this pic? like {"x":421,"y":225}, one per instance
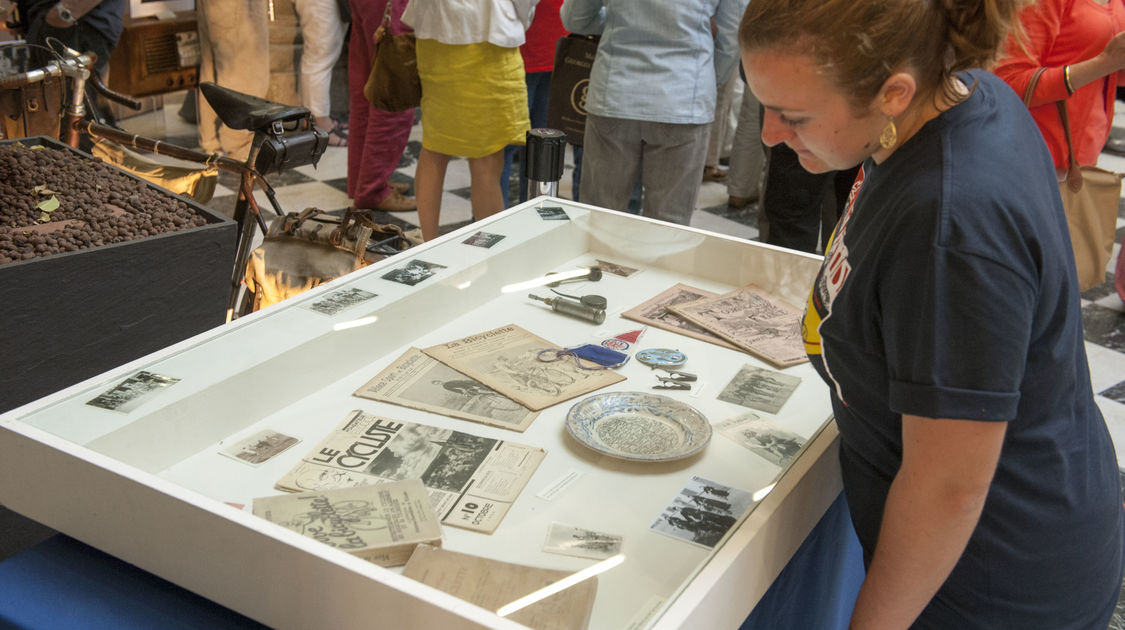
{"x":543,"y":162}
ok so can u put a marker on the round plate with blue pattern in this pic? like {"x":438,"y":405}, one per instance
{"x":638,"y":426}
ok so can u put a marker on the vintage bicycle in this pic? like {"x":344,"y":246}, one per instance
{"x":284,"y":137}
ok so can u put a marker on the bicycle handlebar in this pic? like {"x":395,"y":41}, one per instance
{"x":124,"y":99}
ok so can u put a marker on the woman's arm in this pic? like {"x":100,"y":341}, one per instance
{"x":1110,"y":60}
{"x":932,"y":509}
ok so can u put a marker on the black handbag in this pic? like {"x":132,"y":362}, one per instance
{"x":570,"y":79}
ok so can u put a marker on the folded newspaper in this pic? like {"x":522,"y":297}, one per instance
{"x":418,"y":381}
{"x":472,"y":480}
{"x":753,"y":319}
{"x":509,"y":360}
{"x":380,"y":523}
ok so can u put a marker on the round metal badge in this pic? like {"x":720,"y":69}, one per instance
{"x":662,"y":358}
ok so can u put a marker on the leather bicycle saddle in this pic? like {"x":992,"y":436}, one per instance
{"x":243,"y":111}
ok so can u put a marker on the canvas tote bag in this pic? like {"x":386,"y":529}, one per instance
{"x":1090,"y":197}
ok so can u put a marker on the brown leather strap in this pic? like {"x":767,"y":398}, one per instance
{"x":1074,"y":171}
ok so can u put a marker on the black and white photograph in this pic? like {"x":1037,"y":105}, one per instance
{"x":413,"y":272}
{"x":339,"y":300}
{"x":132,"y":392}
{"x":260,"y":447}
{"x":483,"y":239}
{"x":552,"y":213}
{"x":441,"y":458}
{"x":616,"y":269}
{"x":763,"y":437}
{"x":568,"y":540}
{"x":703,"y":512}
{"x":759,"y":388}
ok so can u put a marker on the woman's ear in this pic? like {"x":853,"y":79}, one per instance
{"x":897,"y":93}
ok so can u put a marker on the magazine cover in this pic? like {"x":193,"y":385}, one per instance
{"x":381,"y":523}
{"x":472,"y":481}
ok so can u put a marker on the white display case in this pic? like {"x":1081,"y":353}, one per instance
{"x":151,"y":486}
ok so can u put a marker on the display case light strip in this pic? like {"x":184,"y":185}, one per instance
{"x":566,"y":582}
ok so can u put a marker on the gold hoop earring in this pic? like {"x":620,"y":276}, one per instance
{"x":889,"y":137}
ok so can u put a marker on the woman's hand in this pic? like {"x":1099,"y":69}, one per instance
{"x":1109,"y":60}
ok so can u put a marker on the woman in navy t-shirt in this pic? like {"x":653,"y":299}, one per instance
{"x":981,"y":477}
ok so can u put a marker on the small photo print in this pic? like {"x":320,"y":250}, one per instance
{"x":483,"y":239}
{"x":339,"y":300}
{"x":759,"y":388}
{"x":413,"y":272}
{"x":132,"y":392}
{"x":703,"y":512}
{"x":616,"y":269}
{"x":765,"y":438}
{"x":260,"y":447}
{"x":580,"y":542}
{"x":552,"y":213}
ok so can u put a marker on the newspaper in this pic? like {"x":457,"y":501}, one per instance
{"x":755,"y":320}
{"x":472,"y":481}
{"x":380,"y":523}
{"x":492,"y":584}
{"x":506,"y":359}
{"x":418,"y":381}
{"x":655,"y":313}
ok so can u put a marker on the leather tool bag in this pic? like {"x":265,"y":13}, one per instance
{"x":35,"y":109}
{"x":305,"y":250}
{"x":393,"y":84}
{"x":1090,"y":197}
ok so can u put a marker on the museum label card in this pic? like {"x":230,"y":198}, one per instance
{"x":507,"y":360}
{"x":703,"y":512}
{"x":418,"y":381}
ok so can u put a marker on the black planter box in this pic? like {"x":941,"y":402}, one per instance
{"x":67,"y":317}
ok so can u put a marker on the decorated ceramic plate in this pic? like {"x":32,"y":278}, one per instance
{"x":638,"y":426}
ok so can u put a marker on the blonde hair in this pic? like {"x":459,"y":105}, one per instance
{"x":860,"y":43}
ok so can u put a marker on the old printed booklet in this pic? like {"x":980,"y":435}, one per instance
{"x":492,"y":584}
{"x":380,"y":523}
{"x":472,"y":481}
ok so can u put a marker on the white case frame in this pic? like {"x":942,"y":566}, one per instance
{"x":145,"y":486}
